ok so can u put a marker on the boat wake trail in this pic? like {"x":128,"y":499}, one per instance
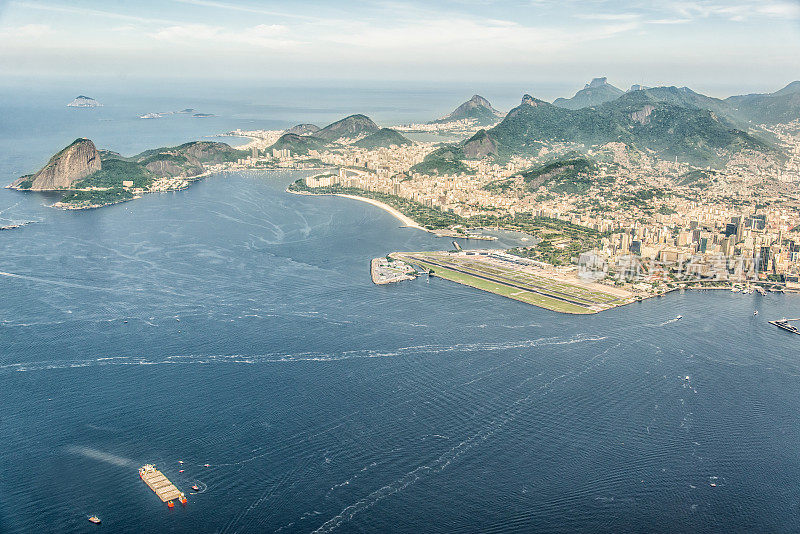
{"x":102,"y":456}
{"x":272,"y":358}
{"x":202,"y":487}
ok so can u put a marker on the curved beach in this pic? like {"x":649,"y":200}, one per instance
{"x":397,"y":214}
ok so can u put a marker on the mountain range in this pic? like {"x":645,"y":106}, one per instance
{"x":304,"y":137}
{"x":779,"y":107}
{"x":768,"y":108}
{"x":637,"y":118}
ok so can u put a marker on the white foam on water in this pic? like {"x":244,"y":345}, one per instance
{"x":253,"y":359}
{"x":101,"y":456}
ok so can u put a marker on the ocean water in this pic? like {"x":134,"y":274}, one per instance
{"x":235,"y":325}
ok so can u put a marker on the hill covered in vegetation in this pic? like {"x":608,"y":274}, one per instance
{"x":693,"y":135}
{"x":596,"y":92}
{"x":445,"y":160}
{"x":383,"y":138}
{"x":477,"y":109}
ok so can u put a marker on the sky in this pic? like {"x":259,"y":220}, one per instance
{"x":714,"y":46}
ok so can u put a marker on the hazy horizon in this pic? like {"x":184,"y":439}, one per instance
{"x":549,"y":49}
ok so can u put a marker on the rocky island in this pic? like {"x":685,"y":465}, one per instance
{"x":82,"y":101}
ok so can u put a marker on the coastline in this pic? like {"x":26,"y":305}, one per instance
{"x":75,"y":207}
{"x":407,"y":221}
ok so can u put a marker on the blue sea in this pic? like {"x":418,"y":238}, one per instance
{"x":234,"y":328}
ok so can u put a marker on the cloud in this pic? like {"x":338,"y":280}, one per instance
{"x":668,"y":21}
{"x":245,"y":9}
{"x":28,"y":31}
{"x":739,"y":12}
{"x":261,"y":35}
{"x":402,"y":38}
{"x":608,"y":16}
{"x":84,"y":11}
{"x":468,"y":38}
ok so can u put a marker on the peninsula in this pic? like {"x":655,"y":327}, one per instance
{"x":92,"y":178}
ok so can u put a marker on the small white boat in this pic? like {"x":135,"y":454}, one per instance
{"x":94,"y":519}
{"x":755,"y":313}
{"x":679,"y":317}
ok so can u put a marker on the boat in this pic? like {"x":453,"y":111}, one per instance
{"x":679,"y":317}
{"x":783,"y":324}
{"x":755,"y":313}
{"x":196,"y":487}
{"x":161,"y":486}
{"x":206,"y":465}
{"x":94,"y":519}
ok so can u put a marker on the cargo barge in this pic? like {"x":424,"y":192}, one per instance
{"x":161,"y":485}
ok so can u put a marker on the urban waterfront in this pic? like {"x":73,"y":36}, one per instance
{"x":235,"y":325}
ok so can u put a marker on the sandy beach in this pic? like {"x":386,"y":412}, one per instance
{"x":398,"y":215}
{"x":407,"y":222}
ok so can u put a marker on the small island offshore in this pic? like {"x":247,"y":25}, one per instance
{"x":624,"y":195}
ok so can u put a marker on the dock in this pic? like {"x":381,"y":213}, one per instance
{"x":161,"y":485}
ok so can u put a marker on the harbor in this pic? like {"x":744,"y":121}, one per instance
{"x":161,"y":486}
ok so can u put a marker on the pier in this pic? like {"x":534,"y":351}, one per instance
{"x":161,"y":485}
